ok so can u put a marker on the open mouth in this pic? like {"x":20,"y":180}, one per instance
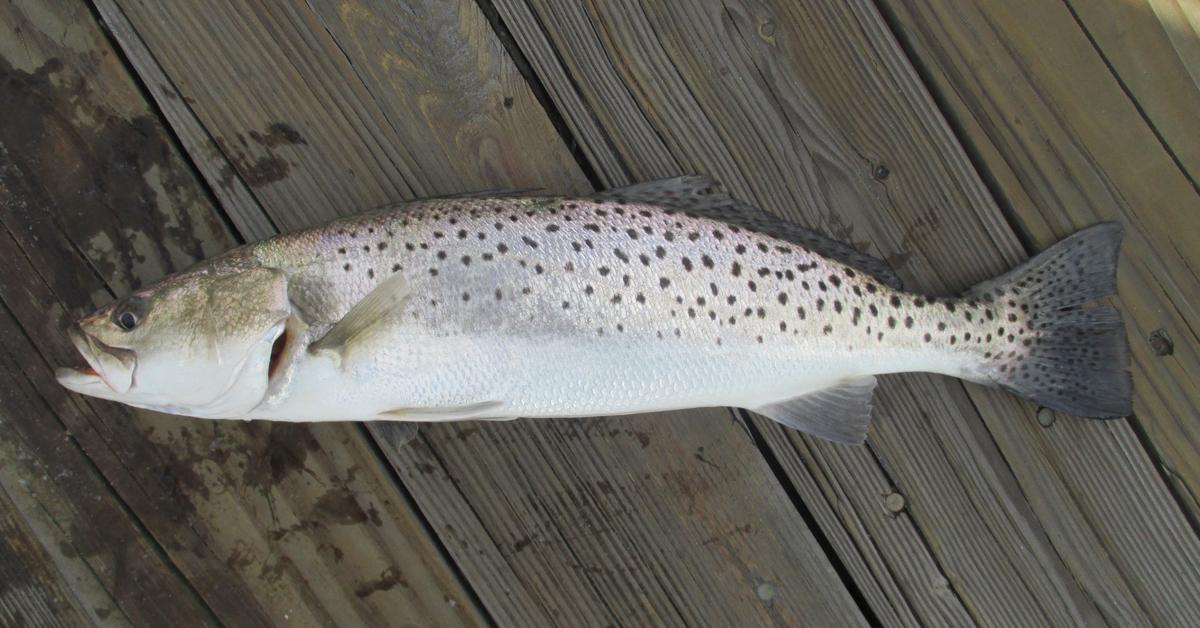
{"x":109,"y":369}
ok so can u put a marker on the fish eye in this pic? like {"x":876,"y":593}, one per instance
{"x":128,"y":315}
{"x":127,"y":320}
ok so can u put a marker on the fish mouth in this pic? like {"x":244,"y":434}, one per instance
{"x":109,"y":369}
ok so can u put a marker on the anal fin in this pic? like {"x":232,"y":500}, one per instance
{"x":840,"y":413}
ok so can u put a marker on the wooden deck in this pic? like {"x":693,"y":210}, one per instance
{"x":950,"y":137}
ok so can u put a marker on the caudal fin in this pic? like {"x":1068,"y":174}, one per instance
{"x":1067,"y":357}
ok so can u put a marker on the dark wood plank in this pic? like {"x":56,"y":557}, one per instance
{"x":547,"y":520}
{"x":176,"y":521}
{"x":812,"y":110}
{"x":32,"y":591}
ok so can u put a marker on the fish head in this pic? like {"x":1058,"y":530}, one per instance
{"x":198,"y":344}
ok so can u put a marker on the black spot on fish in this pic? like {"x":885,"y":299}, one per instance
{"x":433,"y":272}
{"x":663,"y":282}
{"x":739,"y":249}
{"x":551,"y":228}
{"x":346,"y":267}
{"x":660,"y":252}
{"x":466,"y":296}
{"x":499,"y":295}
{"x":604,"y":270}
{"x":529,"y":241}
{"x":381,"y":246}
{"x":693,"y":236}
{"x":396,"y":267}
{"x":835,"y":280}
{"x":762,"y":247}
{"x":438,"y":234}
{"x":737,"y":269}
{"x":342,"y":250}
{"x":783,"y":298}
{"x":441,"y":255}
{"x":588,"y":290}
{"x":687,"y":264}
{"x":370,"y":273}
{"x":707,"y":261}
{"x":616,"y":298}
{"x":644,"y":259}
{"x":764,"y":271}
{"x":566,"y":305}
{"x":908,"y":322}
{"x":752,"y":286}
{"x":927,"y":337}
{"x":828,"y":329}
{"x":837,"y":306}
{"x":621,"y":255}
{"x":731,"y":299}
{"x":466,"y":260}
{"x":640,"y":298}
{"x":537,"y":268}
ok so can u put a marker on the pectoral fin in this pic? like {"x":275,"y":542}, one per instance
{"x":840,"y":413}
{"x":382,"y":304}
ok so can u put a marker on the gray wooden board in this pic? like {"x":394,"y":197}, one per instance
{"x":162,"y":520}
{"x":849,"y":120}
{"x":1076,"y":134}
{"x":275,"y":63}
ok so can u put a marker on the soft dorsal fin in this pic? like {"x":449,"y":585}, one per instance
{"x":703,"y":196}
{"x":385,"y":301}
{"x":840,"y":413}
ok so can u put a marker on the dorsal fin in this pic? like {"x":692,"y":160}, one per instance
{"x":703,"y":196}
{"x":840,"y":413}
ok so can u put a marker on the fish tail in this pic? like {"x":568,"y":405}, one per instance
{"x":1055,"y":351}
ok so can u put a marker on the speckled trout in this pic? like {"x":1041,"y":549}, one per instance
{"x":661,"y":296}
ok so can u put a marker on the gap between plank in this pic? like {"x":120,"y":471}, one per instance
{"x":793,"y":495}
{"x":1010,"y":216}
{"x":1129,"y":94}
{"x":151,"y":541}
{"x":521,"y":62}
{"x":382,"y":460}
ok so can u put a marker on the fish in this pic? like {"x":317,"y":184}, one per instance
{"x":659,"y":296}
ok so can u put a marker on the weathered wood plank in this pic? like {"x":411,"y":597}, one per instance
{"x":1044,"y":113}
{"x":31,"y":592}
{"x":812,"y":110}
{"x":266,"y":523}
{"x":498,"y":495}
{"x":1153,"y":49}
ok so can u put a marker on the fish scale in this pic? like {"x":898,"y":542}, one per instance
{"x":652,"y":303}
{"x":660,"y":296}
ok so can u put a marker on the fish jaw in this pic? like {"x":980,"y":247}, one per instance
{"x":110,"y":370}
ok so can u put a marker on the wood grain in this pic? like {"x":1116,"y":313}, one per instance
{"x":812,"y":110}
{"x":387,"y":85}
{"x":162,"y":520}
{"x":1075,"y":135}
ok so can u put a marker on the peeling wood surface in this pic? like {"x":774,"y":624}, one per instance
{"x":952,"y":139}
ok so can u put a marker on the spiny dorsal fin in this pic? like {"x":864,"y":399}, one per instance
{"x":703,"y":196}
{"x":840,"y":413}
{"x":385,"y":301}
